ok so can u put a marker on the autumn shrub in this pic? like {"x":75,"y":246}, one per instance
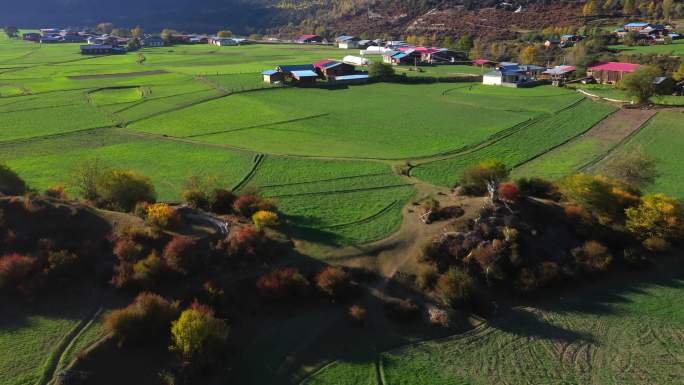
{"x":58,"y":192}
{"x":10,"y":182}
{"x":123,"y":275}
{"x":402,"y":310}
{"x":199,"y":336}
{"x":221,"y":201}
{"x":15,"y":270}
{"x":538,"y":188}
{"x":550,"y":273}
{"x":455,"y":287}
{"x":656,"y":244}
{"x":427,"y":276}
{"x":602,"y":196}
{"x":439,"y":317}
{"x":263,"y":219}
{"x":657,"y":216}
{"x":593,"y":257}
{"x":245,"y":242}
{"x":509,"y":192}
{"x":162,"y":215}
{"x":128,"y":250}
{"x":180,"y":254}
{"x":248,"y":204}
{"x":475,"y":178}
{"x":358,"y":314}
{"x":146,"y":319}
{"x":148,"y":272}
{"x":282,"y":283}
{"x":527,"y":280}
{"x":64,"y":264}
{"x":140,"y":209}
{"x":334,"y":281}
{"x":122,"y":189}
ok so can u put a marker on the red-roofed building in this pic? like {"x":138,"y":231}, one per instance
{"x":611,"y":72}
{"x":333,"y":68}
{"x":309,"y":39}
{"x":483,"y":62}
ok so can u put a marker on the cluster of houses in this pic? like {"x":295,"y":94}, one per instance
{"x":55,"y":35}
{"x":332,"y":71}
{"x":647,"y":32}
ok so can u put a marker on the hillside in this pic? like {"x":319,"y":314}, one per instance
{"x":375,"y":17}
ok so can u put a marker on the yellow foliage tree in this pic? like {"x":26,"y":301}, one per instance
{"x":531,"y":55}
{"x":264,"y":218}
{"x":198,"y":335}
{"x":658,"y":216}
{"x":162,"y":215}
{"x":590,"y":8}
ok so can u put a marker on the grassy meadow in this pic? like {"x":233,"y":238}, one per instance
{"x":611,"y":334}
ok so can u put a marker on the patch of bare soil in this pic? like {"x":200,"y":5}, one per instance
{"x":621,"y":124}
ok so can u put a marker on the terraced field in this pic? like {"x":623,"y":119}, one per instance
{"x":621,"y":334}
{"x":662,"y":138}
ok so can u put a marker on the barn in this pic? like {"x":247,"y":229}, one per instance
{"x":611,"y":72}
{"x":333,"y":68}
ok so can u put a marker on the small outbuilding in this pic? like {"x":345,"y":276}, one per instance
{"x":309,"y":39}
{"x":153,"y":42}
{"x":558,"y":75}
{"x":273,"y":76}
{"x":333,"y":68}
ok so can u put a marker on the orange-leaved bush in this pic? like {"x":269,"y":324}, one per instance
{"x":162,"y":215}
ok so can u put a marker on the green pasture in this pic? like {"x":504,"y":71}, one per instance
{"x":662,"y":138}
{"x":526,"y":142}
{"x":618,"y":334}
{"x":676,"y":48}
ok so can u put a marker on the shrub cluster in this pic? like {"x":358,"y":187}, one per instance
{"x":282,"y":283}
{"x":162,"y":215}
{"x":334,"y":282}
{"x":146,"y":320}
{"x":199,"y":336}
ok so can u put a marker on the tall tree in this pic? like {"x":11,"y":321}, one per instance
{"x":11,"y":31}
{"x":640,"y":82}
{"x":628,"y":7}
{"x":590,"y":8}
{"x":668,"y":8}
{"x":168,"y":34}
{"x":137,"y":32}
{"x":105,"y":27}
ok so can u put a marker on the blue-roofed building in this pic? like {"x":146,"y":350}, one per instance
{"x":360,"y":78}
{"x":636,"y":26}
{"x":297,"y":73}
{"x":272,"y":76}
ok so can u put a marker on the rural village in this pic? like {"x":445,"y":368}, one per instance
{"x":493,"y":195}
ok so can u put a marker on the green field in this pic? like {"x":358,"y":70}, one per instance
{"x":530,"y":140}
{"x":676,"y":48}
{"x":662,"y":138}
{"x":621,"y":334}
{"x":326,"y":155}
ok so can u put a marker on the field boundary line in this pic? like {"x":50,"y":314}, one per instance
{"x":177,"y":108}
{"x":257,"y":126}
{"x":51,"y":363}
{"x":61,"y":363}
{"x":380,"y":370}
{"x":621,"y":143}
{"x":255,"y":165}
{"x":565,"y":142}
{"x":350,"y":191}
{"x":327,"y":180}
{"x":380,"y":213}
{"x":43,"y":137}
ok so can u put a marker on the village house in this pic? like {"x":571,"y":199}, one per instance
{"x":50,"y":39}
{"x":558,"y":75}
{"x":356,"y":61}
{"x":611,"y":72}
{"x":443,"y":56}
{"x":225,"y":42}
{"x":309,"y":39}
{"x":298,"y":74}
{"x":73,"y":39}
{"x":483,"y":63}
{"x":153,"y":41}
{"x":513,"y":75}
{"x":407,"y":56}
{"x":332,"y":68}
{"x":101,"y":49}
{"x":347,"y":42}
{"x":273,"y":76}
{"x":636,"y":26}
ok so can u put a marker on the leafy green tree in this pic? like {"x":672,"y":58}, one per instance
{"x":478,"y":178}
{"x":668,"y":8}
{"x":604,"y":197}
{"x":11,"y":31}
{"x":123,"y":189}
{"x":168,"y":34}
{"x":679,"y":74}
{"x":381,"y":71}
{"x":465,"y":43}
{"x":639,"y":83}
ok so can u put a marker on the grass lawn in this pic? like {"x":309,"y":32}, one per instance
{"x":663,"y":139}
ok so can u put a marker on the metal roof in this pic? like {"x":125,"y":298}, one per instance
{"x":297,"y":67}
{"x":636,"y":24}
{"x":97,"y":46}
{"x":560,"y":70}
{"x":269,"y":72}
{"x":304,"y":74}
{"x":352,"y":77}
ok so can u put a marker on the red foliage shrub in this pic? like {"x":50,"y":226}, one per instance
{"x":180,"y":254}
{"x":128,"y":250}
{"x":245,"y":242}
{"x":333,"y":281}
{"x":282,"y":283}
{"x":358,"y":314}
{"x":123,"y":274}
{"x":15,"y":270}
{"x":509,"y":192}
{"x":246,"y":204}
